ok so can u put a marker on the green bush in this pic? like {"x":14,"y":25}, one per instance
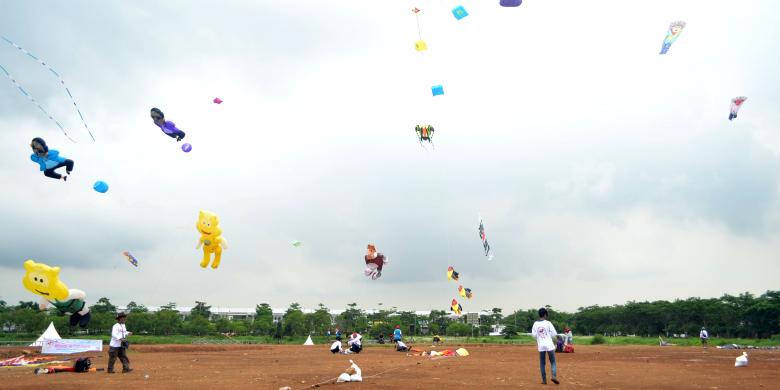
{"x":597,"y":339}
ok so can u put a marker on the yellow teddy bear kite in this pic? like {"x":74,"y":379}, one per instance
{"x":211,"y":238}
{"x":40,"y":279}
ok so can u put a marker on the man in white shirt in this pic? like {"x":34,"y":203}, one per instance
{"x":704,"y":336}
{"x":116,"y":348}
{"x":544,"y":332}
{"x":355,"y":343}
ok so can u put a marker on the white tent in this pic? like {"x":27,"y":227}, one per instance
{"x":308,"y":341}
{"x":49,"y":334}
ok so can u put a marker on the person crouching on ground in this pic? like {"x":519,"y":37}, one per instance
{"x":355,"y":343}
{"x":336,"y":346}
{"x":118,"y":345}
{"x":400,"y":346}
{"x":544,"y":332}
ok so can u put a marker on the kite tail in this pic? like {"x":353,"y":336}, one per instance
{"x":57,"y":75}
{"x":32,"y":99}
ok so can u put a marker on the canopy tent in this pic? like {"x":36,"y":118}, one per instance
{"x":49,"y":334}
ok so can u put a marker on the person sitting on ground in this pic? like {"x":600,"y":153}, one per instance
{"x":381,"y":339}
{"x":49,"y":159}
{"x":355,"y":343}
{"x":336,"y":346}
{"x":663,"y":343}
{"x":436,"y":339}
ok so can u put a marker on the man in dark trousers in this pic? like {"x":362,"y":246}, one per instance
{"x":117,"y":347}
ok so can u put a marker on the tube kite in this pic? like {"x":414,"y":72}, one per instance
{"x":59,"y":78}
{"x":483,"y":237}
{"x":675,"y":28}
{"x":736,"y":103}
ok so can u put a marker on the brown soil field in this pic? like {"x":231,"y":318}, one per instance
{"x":488,"y":367}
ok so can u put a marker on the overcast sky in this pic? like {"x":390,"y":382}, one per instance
{"x":604,"y":172}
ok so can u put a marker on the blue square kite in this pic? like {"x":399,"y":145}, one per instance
{"x":437,"y":90}
{"x":459,"y":12}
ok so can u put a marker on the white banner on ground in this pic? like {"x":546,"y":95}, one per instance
{"x":71,"y":346}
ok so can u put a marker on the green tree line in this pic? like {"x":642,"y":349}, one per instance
{"x":730,"y":316}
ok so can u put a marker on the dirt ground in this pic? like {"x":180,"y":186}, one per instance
{"x":488,"y":366}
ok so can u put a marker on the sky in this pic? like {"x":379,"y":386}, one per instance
{"x":604,"y":172}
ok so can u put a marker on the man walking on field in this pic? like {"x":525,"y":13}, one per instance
{"x":544,"y":332}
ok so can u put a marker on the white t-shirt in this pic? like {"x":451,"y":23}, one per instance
{"x":336,"y":346}
{"x":703,"y":334}
{"x":118,"y":332}
{"x":544,"y":331}
{"x":401,"y":346}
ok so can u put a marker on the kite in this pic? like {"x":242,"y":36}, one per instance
{"x":465,"y":292}
{"x":374,"y":262}
{"x":296,"y":243}
{"x":49,"y":160}
{"x":424,"y":133}
{"x":456,"y":307}
{"x":218,"y":100}
{"x":42,"y":280}
{"x":451,"y":274}
{"x":420,"y":45}
{"x":21,"y":361}
{"x":210,"y":238}
{"x":100,"y":186}
{"x":32,"y":99}
{"x":510,"y":3}
{"x":131,"y":258}
{"x":675,"y":28}
{"x":483,"y":237}
{"x":736,"y":103}
{"x":168,"y":127}
{"x":437,"y":90}
{"x":459,"y":12}
{"x":186,"y":148}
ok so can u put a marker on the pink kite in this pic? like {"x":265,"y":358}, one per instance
{"x":217,"y":100}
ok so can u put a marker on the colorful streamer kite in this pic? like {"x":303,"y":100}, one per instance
{"x":131,"y":259}
{"x":57,"y":75}
{"x":483,"y":237}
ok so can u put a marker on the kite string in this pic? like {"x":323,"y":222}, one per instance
{"x":40,"y":61}
{"x":331,"y":380}
{"x":419,"y":34}
{"x":33,"y":101}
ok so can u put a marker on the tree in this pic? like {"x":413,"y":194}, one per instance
{"x":198,"y":325}
{"x":264,"y":319}
{"x":103,"y":305}
{"x":167,"y":321}
{"x":320,"y":320}
{"x":169,"y":306}
{"x":353,"y":319}
{"x":509,"y":331}
{"x":133,"y":307}
{"x":201,"y":309}
{"x":27,"y":305}
{"x":294,"y":321}
{"x":458,"y":329}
